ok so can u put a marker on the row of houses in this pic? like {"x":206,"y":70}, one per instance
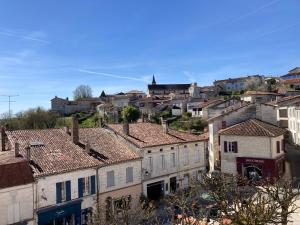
{"x":57,"y":176}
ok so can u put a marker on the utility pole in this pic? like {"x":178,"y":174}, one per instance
{"x":9,"y":103}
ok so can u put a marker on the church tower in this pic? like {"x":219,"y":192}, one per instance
{"x":153,"y":80}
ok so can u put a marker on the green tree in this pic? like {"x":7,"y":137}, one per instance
{"x":82,"y":91}
{"x":130,"y":114}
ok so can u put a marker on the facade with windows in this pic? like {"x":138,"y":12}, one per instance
{"x":170,"y":159}
{"x":72,"y":170}
{"x":66,"y":198}
{"x":65,"y":175}
{"x":252,"y":149}
{"x":119,"y":172}
{"x":16,"y":188}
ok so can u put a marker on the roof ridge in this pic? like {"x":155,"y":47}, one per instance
{"x":257,"y":122}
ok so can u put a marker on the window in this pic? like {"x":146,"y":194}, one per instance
{"x":186,"y":157}
{"x":63,"y":191}
{"x":110,"y":178}
{"x":223,"y":124}
{"x":278,"y":146}
{"x":150,"y":163}
{"x":86,"y":186}
{"x":230,"y":146}
{"x":197,"y":155}
{"x":162,"y":157}
{"x":173,"y":159}
{"x":129,"y":174}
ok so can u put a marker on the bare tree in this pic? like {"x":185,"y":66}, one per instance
{"x":82,"y":91}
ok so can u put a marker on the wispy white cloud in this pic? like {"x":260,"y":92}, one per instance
{"x":190,"y":76}
{"x":113,"y":75}
{"x":252,"y":12}
{"x":37,"y":36}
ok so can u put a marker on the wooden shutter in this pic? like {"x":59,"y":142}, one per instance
{"x":225,"y":146}
{"x":58,"y":192}
{"x":283,"y":145}
{"x":93,"y":184}
{"x":235,"y":147}
{"x":80,"y":187}
{"x":110,"y":178}
{"x":129,"y":174}
{"x":68,"y":190}
{"x":278,"y":146}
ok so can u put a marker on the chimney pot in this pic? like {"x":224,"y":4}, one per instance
{"x":126,"y":127}
{"x":28,"y":152}
{"x":101,"y":122}
{"x":164,"y":125}
{"x":87,"y":147}
{"x":67,"y":130}
{"x":75,"y":130}
{"x":3,"y":136}
{"x":17,"y":149}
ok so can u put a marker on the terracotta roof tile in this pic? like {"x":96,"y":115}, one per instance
{"x":253,"y":127}
{"x":292,"y":81}
{"x":111,"y":149}
{"x":56,"y":154}
{"x":284,"y":101}
{"x":150,"y":134}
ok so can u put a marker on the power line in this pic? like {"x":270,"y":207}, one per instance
{"x":9,"y":103}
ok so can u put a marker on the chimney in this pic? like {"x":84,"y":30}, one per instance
{"x":17,"y":149}
{"x":126,"y":127}
{"x":3,"y":136}
{"x":101,"y":122}
{"x":143,"y":117}
{"x":75,"y":130}
{"x":87,"y":147}
{"x":164,"y":125}
{"x":67,"y":130}
{"x":28,"y":152}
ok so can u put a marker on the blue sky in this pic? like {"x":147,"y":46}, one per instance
{"x":49,"y":47}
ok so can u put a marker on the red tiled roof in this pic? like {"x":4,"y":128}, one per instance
{"x":253,"y":127}
{"x":150,"y":134}
{"x":283,"y":101}
{"x":249,"y":93}
{"x":245,"y":104}
{"x":111,"y":149}
{"x":292,"y":81}
{"x":14,"y":171}
{"x":56,"y":154}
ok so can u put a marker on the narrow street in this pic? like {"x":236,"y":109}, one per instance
{"x":293,"y":170}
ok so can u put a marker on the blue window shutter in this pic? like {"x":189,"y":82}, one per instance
{"x":68,"y":190}
{"x":58,"y":192}
{"x":93,"y":184}
{"x":80,"y":187}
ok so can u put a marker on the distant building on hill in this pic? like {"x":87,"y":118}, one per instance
{"x":67,"y":107}
{"x":182,"y":90}
{"x":292,"y":74}
{"x":237,"y":84}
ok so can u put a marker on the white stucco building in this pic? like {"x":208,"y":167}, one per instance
{"x":16,"y":190}
{"x":252,"y":149}
{"x":171,"y":159}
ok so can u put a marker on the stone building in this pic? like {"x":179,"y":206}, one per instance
{"x":292,"y":74}
{"x":67,"y":107}
{"x":16,"y":189}
{"x":252,"y":149}
{"x":238,"y":84}
{"x":171,"y":159}
{"x":164,"y":90}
